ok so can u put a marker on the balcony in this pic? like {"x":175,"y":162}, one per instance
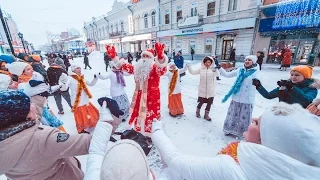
{"x":191,"y":21}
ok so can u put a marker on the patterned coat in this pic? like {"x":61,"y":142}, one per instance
{"x":145,"y":104}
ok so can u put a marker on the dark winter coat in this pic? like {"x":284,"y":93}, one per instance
{"x":232,"y":56}
{"x":179,"y":61}
{"x":260,"y":59}
{"x":106,"y":59}
{"x":54,"y":73}
{"x":130,"y":58}
{"x":302,"y":93}
{"x":38,"y":67}
{"x":86,"y":60}
{"x":66,"y":62}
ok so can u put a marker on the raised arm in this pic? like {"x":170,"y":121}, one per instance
{"x":128,"y":68}
{"x":183,"y":70}
{"x":93,"y":82}
{"x":193,"y":72}
{"x":228,"y":74}
{"x":104,"y":77}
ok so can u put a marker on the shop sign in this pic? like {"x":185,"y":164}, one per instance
{"x":179,"y":8}
{"x":137,"y":38}
{"x":209,"y":41}
{"x":135,"y":1}
{"x":130,"y":22}
{"x":191,"y":31}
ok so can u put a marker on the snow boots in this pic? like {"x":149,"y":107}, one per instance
{"x":206,"y":116}
{"x":198,"y":113}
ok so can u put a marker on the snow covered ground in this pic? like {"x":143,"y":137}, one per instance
{"x":191,"y":135}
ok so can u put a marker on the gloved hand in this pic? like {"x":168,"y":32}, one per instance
{"x":156,"y":125}
{"x":106,"y":116}
{"x":256,"y":82}
{"x":160,"y":50}
{"x":287,"y":83}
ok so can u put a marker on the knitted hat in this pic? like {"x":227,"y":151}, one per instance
{"x":254,"y":58}
{"x":59,"y":62}
{"x":72,"y":68}
{"x":17,"y":68}
{"x":125,"y":160}
{"x":112,"y":106}
{"x":293,"y":131}
{"x":148,"y":52}
{"x":22,"y":55}
{"x":306,"y":71}
{"x":14,"y":107}
{"x":4,"y":81}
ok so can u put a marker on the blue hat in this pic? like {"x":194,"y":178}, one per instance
{"x":14,"y":107}
{"x":112,"y":105}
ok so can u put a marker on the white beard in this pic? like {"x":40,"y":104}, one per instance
{"x":142,"y":69}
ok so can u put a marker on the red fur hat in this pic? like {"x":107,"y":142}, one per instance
{"x":148,"y":52}
{"x":111,"y":51}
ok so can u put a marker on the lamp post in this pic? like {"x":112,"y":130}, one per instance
{"x":21,"y":38}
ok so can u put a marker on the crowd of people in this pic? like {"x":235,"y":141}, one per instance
{"x":283,"y":143}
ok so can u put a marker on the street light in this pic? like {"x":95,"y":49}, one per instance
{"x":21,"y":37}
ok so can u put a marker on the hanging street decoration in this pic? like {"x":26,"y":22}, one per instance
{"x":298,"y":13}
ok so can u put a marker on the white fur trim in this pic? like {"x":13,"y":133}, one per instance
{"x":4,"y":81}
{"x":147,"y":53}
{"x":164,"y":64}
{"x":104,"y":113}
{"x":293,"y":131}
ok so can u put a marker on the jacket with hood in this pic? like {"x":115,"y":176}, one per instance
{"x":57,"y":76}
{"x":207,"y":80}
{"x":42,"y":152}
{"x":294,"y":156}
{"x":116,"y":89}
{"x":302,"y":93}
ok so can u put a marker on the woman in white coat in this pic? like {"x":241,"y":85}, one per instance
{"x":243,"y":95}
{"x":117,"y":88}
{"x":86,"y":114}
{"x":123,"y":160}
{"x":206,"y":90}
{"x":174,"y":90}
{"x":279,"y":146}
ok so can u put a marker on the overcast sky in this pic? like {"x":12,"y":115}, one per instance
{"x":35,"y":17}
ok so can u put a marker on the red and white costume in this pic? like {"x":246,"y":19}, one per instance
{"x":145,"y":104}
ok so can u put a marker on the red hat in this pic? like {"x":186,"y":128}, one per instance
{"x":148,"y":52}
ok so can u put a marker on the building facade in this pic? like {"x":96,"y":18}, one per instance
{"x":207,"y":26}
{"x":290,"y":25}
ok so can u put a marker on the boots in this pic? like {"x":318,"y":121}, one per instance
{"x":218,"y":78}
{"x":206,"y":116}
{"x":198,"y":113}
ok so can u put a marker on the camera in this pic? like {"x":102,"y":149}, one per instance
{"x":284,"y":83}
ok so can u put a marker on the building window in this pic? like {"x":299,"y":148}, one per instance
{"x":194,"y":10}
{"x":117,"y":29}
{"x":145,"y":17}
{"x":208,"y":46}
{"x":103,"y":31}
{"x":153,"y":18}
{"x":211,"y":8}
{"x":232,"y":5}
{"x":167,"y":18}
{"x":179,"y":15}
{"x":111,"y":27}
{"x":121,"y":26}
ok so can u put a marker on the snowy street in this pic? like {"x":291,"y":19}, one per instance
{"x":191,"y":135}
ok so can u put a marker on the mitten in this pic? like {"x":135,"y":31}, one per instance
{"x":104,"y":113}
{"x":160,"y":50}
{"x":256,"y":82}
{"x":289,"y":85}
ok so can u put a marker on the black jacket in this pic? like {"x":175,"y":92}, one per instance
{"x":54,"y":74}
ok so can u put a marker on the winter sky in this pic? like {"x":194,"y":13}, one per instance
{"x":35,"y":17}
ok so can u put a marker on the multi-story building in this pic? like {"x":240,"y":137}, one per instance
{"x":288,"y":24}
{"x":207,"y":26}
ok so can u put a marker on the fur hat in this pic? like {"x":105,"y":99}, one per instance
{"x":4,"y":81}
{"x":293,"y":131}
{"x":254,"y":58}
{"x":17,"y":68}
{"x":59,"y":62}
{"x":306,"y":71}
{"x":148,"y":52}
{"x":125,"y":160}
{"x":116,"y":63}
{"x":14,"y":107}
{"x":73,"y":67}
{"x":112,"y":106}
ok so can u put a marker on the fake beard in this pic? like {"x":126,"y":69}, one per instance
{"x":142,"y":69}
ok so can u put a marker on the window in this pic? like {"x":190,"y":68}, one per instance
{"x":232,"y":5}
{"x":121,"y":26}
{"x":208,"y":46}
{"x":194,"y":10}
{"x":136,"y":22}
{"x":153,"y":18}
{"x":179,"y":15}
{"x":117,"y":29}
{"x":167,"y":18}
{"x":111,"y":27}
{"x":103,"y":31}
{"x":211,"y":8}
{"x":145,"y":17}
